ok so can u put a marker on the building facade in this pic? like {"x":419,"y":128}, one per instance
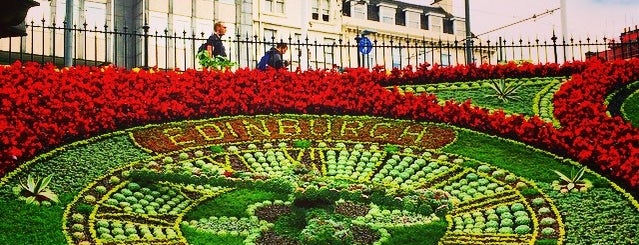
{"x":401,"y":26}
{"x":626,"y":47}
{"x":320,"y":33}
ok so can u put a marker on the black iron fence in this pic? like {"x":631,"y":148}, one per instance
{"x":141,"y":47}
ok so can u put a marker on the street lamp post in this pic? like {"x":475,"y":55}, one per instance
{"x":564,"y":24}
{"x":469,"y":54}
{"x":68,"y":37}
{"x":304,"y":56}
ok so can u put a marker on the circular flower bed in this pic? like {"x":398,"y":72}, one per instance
{"x":306,"y":179}
{"x":348,"y":179}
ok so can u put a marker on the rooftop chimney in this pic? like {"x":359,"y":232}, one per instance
{"x":447,"y":5}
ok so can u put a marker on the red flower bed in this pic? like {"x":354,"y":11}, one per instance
{"x":41,"y":107}
{"x":588,"y":133}
{"x":424,"y":74}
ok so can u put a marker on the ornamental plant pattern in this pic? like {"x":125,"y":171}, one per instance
{"x":373,"y":179}
{"x":146,"y":201}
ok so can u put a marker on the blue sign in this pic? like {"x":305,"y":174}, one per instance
{"x":365,"y":46}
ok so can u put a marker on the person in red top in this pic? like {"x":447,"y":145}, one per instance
{"x":214,"y":45}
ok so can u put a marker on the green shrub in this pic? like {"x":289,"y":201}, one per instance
{"x":418,"y":234}
{"x":548,"y":231}
{"x":502,"y":209}
{"x":183,"y":156}
{"x":529,"y":191}
{"x":506,"y":223}
{"x":510,"y":178}
{"x":78,"y":235}
{"x":292,"y":223}
{"x":198,"y":237}
{"x":114,"y":180}
{"x":520,"y":214}
{"x":77,"y":227}
{"x":232,"y":203}
{"x":133,"y":186}
{"x":523,"y":220}
{"x":506,"y":230}
{"x":547,"y":221}
{"x":100,"y":189}
{"x":216,"y":149}
{"x":538,"y":201}
{"x":84,"y":208}
{"x":89,"y":199}
{"x":323,"y":230}
{"x":506,"y":215}
{"x":517,"y":207}
{"x":302,"y":144}
{"x":492,"y":224}
{"x":484,"y":169}
{"x":472,"y":176}
{"x":491,"y":230}
{"x":544,"y":210}
{"x":498,"y":174}
{"x":522,"y":229}
{"x":77,"y":218}
{"x":546,"y":242}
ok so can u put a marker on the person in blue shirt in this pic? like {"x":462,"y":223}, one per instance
{"x":214,"y":44}
{"x":274,"y":57}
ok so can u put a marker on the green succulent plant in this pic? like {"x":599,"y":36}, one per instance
{"x":505,"y":91}
{"x":575,"y":182}
{"x":35,"y":190}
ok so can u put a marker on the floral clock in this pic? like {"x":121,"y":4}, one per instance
{"x":350,"y":180}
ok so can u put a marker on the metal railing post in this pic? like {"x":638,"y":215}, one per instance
{"x":359,"y":58}
{"x":145,"y":28}
{"x":554,"y":45}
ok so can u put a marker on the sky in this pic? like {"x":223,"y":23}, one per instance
{"x":585,"y":18}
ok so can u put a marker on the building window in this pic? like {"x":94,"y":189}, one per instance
{"x":459,"y":27}
{"x":446,"y":59}
{"x":449,"y":26}
{"x":95,"y":13}
{"x":203,"y":28}
{"x":436,"y":26}
{"x":436,"y":22}
{"x":413,"y":19}
{"x":329,"y":52}
{"x":181,"y":24}
{"x":61,"y":12}
{"x":270,"y":35}
{"x":387,"y":15}
{"x":326,"y":7}
{"x":274,"y":6}
{"x":359,"y":11}
{"x":158,"y":22}
{"x":397,"y":57}
{"x":321,"y":9}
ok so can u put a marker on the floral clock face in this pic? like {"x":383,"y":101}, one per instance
{"x":337,"y":180}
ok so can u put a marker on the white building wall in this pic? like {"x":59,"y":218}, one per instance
{"x":246,"y":19}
